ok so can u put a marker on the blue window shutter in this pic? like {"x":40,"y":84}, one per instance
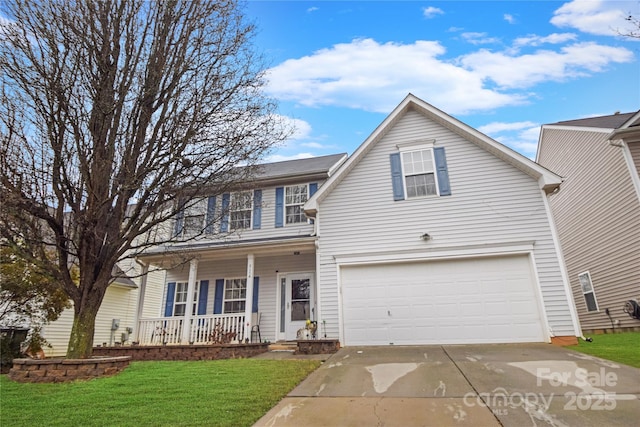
{"x":171,"y":294}
{"x":313,"y":187}
{"x":179,"y":224}
{"x":224,"y":224}
{"x":256,"y":285}
{"x":279,"y":206}
{"x":443,"y":173}
{"x":217,"y":300}
{"x":396,"y":176}
{"x":211,"y":214}
{"x":257,"y":209}
{"x":202,"y":297}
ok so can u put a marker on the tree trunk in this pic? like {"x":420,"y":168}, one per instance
{"x":84,"y":325}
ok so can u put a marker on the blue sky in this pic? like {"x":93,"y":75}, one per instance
{"x":337,"y":68}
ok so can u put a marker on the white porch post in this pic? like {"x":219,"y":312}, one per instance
{"x":191,"y":287}
{"x":141,"y":291}
{"x":248,"y":306}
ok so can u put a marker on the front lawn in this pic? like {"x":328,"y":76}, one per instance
{"x":235,"y":392}
{"x":623,"y":348}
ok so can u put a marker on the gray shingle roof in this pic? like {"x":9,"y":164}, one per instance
{"x":291,"y":168}
{"x":613,"y":121}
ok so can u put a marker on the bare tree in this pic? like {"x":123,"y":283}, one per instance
{"x":115,"y":116}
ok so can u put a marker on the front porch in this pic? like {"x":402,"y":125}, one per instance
{"x":200,"y":329}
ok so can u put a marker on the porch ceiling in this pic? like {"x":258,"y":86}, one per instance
{"x":232,"y":250}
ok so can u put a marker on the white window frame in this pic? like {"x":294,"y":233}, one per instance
{"x":233,"y":209}
{"x":182,"y":288}
{"x":586,"y":287}
{"x":238,"y":299}
{"x":415,"y":147}
{"x":296,"y":203}
{"x":197,"y":215}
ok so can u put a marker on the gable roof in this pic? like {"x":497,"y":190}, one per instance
{"x":548,"y":180}
{"x":313,"y":167}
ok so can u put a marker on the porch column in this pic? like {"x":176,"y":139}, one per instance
{"x":248,"y":305}
{"x":191,"y":287}
{"x":141,"y":292}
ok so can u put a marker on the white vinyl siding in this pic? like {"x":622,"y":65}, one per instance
{"x":596,"y":212}
{"x":118,"y":303}
{"x":493,"y":203}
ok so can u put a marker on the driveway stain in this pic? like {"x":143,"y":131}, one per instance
{"x":385,"y":374}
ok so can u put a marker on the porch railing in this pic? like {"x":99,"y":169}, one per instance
{"x":207,"y":329}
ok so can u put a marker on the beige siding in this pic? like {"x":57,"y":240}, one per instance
{"x":119,"y":303}
{"x":597,"y":214}
{"x":492,"y":203}
{"x":634,"y":149}
{"x":266,"y":268}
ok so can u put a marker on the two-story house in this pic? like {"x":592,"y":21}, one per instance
{"x":597,"y":213}
{"x":429,"y":233}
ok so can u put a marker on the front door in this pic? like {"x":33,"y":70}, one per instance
{"x":298,"y":303}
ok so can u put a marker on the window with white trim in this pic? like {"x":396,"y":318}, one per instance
{"x":235,"y":295}
{"x":295,"y":196}
{"x":419,"y":173}
{"x":193,"y":220}
{"x":180,"y":299}
{"x":587,"y":291}
{"x":240,"y":210}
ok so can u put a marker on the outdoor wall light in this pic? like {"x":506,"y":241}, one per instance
{"x":426,"y":237}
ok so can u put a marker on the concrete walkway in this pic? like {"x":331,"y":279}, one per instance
{"x":472,"y":385}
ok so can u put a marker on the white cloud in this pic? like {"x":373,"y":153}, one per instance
{"x":431,"y":12}
{"x":367,"y":75}
{"x":594,"y":16}
{"x":509,"y":18}
{"x":479,"y":38}
{"x":312,"y":9}
{"x":510,"y":71}
{"x":497,"y":127}
{"x":519,"y":136}
{"x":282,"y":158}
{"x":555,"y":38}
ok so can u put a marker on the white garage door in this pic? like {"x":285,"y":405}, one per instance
{"x":465,"y":301}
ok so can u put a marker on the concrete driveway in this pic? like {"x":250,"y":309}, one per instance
{"x":469,"y":385}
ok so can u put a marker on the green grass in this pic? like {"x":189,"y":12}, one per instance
{"x":234,"y":392}
{"x":623,"y":348}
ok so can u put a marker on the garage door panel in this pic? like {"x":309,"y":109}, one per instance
{"x":456,"y":301}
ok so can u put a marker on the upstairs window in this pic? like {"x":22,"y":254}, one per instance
{"x":419,"y":169}
{"x":419,"y":173}
{"x":587,"y":291}
{"x":240,"y":209}
{"x":295,"y":198}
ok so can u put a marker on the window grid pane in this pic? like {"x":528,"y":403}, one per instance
{"x":295,"y":197}
{"x":419,"y":173}
{"x":240,"y":208}
{"x":235,"y":294}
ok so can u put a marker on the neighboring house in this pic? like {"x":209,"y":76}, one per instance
{"x":597,"y":213}
{"x":430,"y":233}
{"x":119,"y":305}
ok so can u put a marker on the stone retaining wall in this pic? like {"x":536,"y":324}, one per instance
{"x":64,"y":370}
{"x":318,"y":346}
{"x":184,"y":352}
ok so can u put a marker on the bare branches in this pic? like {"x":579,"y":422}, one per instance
{"x":115,"y":111}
